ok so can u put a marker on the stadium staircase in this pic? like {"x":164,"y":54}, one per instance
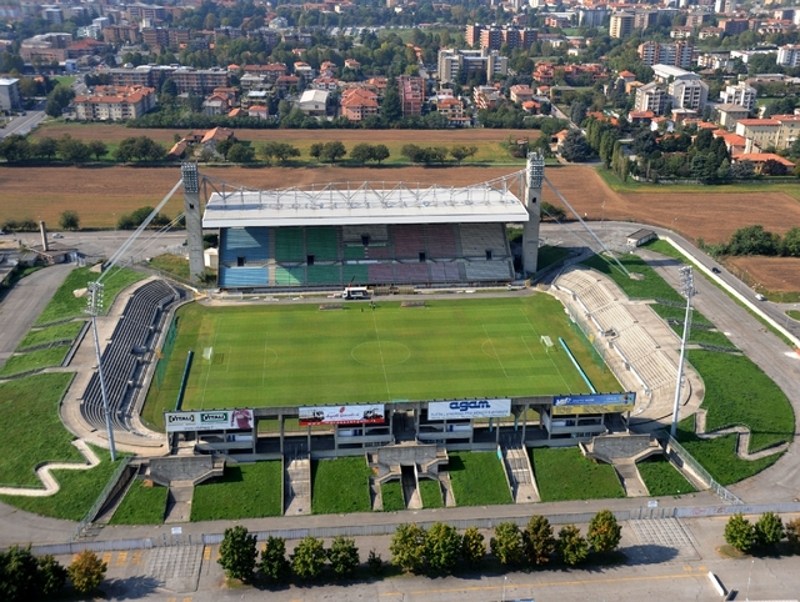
{"x":518,"y":467}
{"x":297,"y":486}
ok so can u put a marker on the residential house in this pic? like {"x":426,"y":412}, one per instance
{"x":520,"y":93}
{"x":729,"y":114}
{"x":313,"y":103}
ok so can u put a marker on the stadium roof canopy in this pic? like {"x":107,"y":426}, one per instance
{"x":333,"y":206}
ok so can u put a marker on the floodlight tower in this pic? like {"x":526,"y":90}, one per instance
{"x":687,"y":287}
{"x":95,"y":305}
{"x":194,"y":226}
{"x":534,"y":174}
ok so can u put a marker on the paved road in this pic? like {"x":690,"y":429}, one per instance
{"x":22,"y":125}
{"x":23,"y":304}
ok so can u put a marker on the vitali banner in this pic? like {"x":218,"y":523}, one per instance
{"x":209,"y":420}
{"x":357,"y":414}
{"x":469,"y":408}
{"x":607,"y":403}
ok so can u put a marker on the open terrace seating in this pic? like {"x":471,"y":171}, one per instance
{"x":477,"y":239}
{"x":488,"y":271}
{"x":133,"y":338}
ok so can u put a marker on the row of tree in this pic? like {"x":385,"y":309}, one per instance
{"x":19,"y":149}
{"x":755,"y":240}
{"x":436,"y":551}
{"x":25,"y":577}
{"x":766,"y":535}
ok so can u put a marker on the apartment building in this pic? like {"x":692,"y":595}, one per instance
{"x":677,"y":54}
{"x":621,"y":25}
{"x":412,"y":94}
{"x":454,"y":62}
{"x":112,"y":103}
{"x":650,"y":97}
{"x":741,"y":94}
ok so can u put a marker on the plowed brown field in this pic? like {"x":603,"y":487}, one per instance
{"x":101,"y":195}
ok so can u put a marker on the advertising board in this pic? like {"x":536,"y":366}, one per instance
{"x":604,"y":403}
{"x":351,"y":414}
{"x":209,"y":420}
{"x":469,"y":408}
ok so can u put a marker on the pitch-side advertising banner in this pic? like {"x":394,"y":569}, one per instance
{"x":209,"y":420}
{"x":469,"y":408}
{"x":356,"y":414}
{"x":608,"y":403}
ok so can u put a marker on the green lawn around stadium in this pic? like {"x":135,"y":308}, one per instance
{"x":289,"y":355}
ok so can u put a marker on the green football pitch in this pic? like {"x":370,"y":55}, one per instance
{"x":300,"y":354}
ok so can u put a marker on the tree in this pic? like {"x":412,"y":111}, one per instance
{"x":771,"y":167}
{"x":19,"y":579}
{"x":462,"y":151}
{"x":343,"y":556}
{"x":408,"y":548}
{"x":73,"y":150}
{"x":473,"y":548}
{"x":315,"y":150}
{"x":572,"y":546}
{"x":52,"y":576}
{"x":240,"y":153}
{"x":540,"y":544}
{"x":575,"y":147}
{"x":97,"y":148}
{"x":15,"y":148}
{"x":361,"y":153}
{"x":753,"y":240}
{"x":740,"y":533}
{"x":507,"y":544}
{"x":69,"y":220}
{"x":442,"y":549}
{"x":380,"y":152}
{"x":86,"y":572}
{"x":332,"y":151}
{"x":237,"y":553}
{"x":552,"y":212}
{"x":391,"y":107}
{"x":375,"y":562}
{"x":604,"y":532}
{"x":282,"y":151}
{"x":793,"y":534}
{"x":58,"y":99}
{"x":274,"y":565}
{"x":308,"y":559}
{"x":768,"y":530}
{"x":790,"y":245}
{"x":46,"y":147}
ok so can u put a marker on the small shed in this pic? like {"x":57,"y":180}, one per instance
{"x":640,"y":237}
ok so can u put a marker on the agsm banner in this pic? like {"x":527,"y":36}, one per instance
{"x":469,"y":408}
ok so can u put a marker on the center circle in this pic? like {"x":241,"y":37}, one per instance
{"x":381,"y":353}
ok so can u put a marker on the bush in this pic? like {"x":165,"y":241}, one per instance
{"x":507,"y":545}
{"x":237,"y":553}
{"x":308,"y":560}
{"x":343,"y":556}
{"x":408,"y":548}
{"x":604,"y":532}
{"x":87,"y":572}
{"x":768,"y":530}
{"x":572,"y":546}
{"x":274,"y":565}
{"x":740,"y":533}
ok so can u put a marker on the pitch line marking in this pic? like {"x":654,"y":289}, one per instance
{"x":380,"y":351}
{"x":494,"y":350}
{"x":552,"y":363}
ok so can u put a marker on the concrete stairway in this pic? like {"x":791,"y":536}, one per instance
{"x":520,"y":475}
{"x":297,"y":487}
{"x":179,"y":502}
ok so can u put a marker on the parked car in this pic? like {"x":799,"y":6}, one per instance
{"x":715,"y":269}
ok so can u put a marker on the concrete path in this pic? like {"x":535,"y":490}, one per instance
{"x":180,"y":503}
{"x":631,"y":479}
{"x":45,"y":473}
{"x":298,"y":487}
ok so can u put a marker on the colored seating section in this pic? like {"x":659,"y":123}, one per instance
{"x":378,"y":255}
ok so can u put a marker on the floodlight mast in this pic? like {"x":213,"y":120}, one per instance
{"x":95,"y":305}
{"x":687,"y":284}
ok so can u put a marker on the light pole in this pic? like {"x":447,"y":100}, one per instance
{"x":96,"y":305}
{"x":687,"y":285}
{"x":505,"y":580}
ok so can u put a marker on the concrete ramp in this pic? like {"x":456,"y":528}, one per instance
{"x":520,"y":475}
{"x":631,"y":479}
{"x":179,"y":502}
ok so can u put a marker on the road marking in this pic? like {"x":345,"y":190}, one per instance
{"x":136,"y":557}
{"x":122,"y":558}
{"x":107,"y":558}
{"x":207,"y":553}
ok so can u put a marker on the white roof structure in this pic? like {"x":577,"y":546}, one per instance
{"x":365,"y":204}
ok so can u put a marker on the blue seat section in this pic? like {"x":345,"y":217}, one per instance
{"x":322,"y":242}
{"x":231,"y":277}
{"x":289,"y":244}
{"x":290,"y":275}
{"x":250,"y":243}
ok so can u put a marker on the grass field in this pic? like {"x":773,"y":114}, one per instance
{"x":565,"y":474}
{"x":142,"y":505}
{"x":245,"y":491}
{"x":65,"y":304}
{"x":31,"y":404}
{"x":59,"y":333}
{"x":431,"y":493}
{"x":661,"y":478}
{"x":34,"y":360}
{"x":79,"y":490}
{"x":392,"y":493}
{"x":478,"y":479}
{"x":298,"y":354}
{"x":340,"y":486}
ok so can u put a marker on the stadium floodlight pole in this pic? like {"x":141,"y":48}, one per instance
{"x":95,"y":305}
{"x":687,"y":284}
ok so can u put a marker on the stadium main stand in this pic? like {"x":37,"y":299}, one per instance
{"x":326,"y":239}
{"x":133,"y":339}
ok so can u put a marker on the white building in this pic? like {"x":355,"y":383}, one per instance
{"x":9,"y":94}
{"x":789,"y":55}
{"x":651,"y":97}
{"x":740,"y":94}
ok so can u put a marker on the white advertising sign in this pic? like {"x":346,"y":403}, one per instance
{"x":209,"y":420}
{"x":355,"y":414}
{"x":469,"y":408}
